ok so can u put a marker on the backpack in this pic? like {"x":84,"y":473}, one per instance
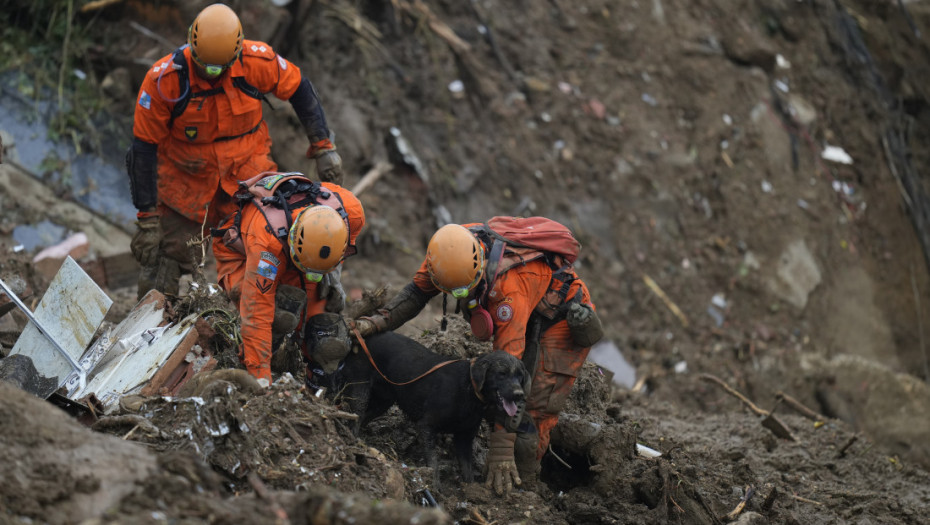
{"x":276,"y":195}
{"x":518,"y":240}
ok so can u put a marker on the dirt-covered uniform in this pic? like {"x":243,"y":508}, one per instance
{"x":217,"y":140}
{"x":252,"y":279}
{"x":511,"y":301}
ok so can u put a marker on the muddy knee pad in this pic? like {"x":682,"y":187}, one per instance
{"x":289,"y":302}
{"x":524,"y":455}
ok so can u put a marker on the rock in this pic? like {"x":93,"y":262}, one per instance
{"x":796,"y":274}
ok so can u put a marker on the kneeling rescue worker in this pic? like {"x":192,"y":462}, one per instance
{"x":198,"y":130}
{"x":280,"y":262}
{"x":534,"y":306}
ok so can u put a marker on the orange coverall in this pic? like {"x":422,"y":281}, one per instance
{"x":220,"y":138}
{"x":511,"y":301}
{"x":251,"y":279}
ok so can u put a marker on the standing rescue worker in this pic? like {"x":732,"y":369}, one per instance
{"x":535,"y":307}
{"x":198,"y":130}
{"x":281,"y":266}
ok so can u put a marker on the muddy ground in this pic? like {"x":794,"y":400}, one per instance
{"x":683,"y":142}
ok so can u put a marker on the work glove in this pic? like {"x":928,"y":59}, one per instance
{"x":330,"y":290}
{"x":218,"y":380}
{"x":584,"y":325}
{"x":145,"y":241}
{"x":329,"y":167}
{"x":365,"y":326}
{"x":502,"y":469}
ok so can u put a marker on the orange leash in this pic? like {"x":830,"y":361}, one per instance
{"x":361,"y":341}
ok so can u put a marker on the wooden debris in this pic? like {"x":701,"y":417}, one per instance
{"x":842,"y":451}
{"x":805,"y":500}
{"x":747,"y":495}
{"x":799,"y":407}
{"x":770,"y":499}
{"x":97,"y":4}
{"x":769,"y":420}
{"x":668,"y":302}
{"x":380,"y":168}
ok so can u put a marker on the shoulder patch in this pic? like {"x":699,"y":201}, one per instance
{"x":282,"y":62}
{"x":145,"y":100}
{"x":268,"y":266}
{"x":268,"y":256}
{"x":254,"y":48}
{"x":504,"y":313}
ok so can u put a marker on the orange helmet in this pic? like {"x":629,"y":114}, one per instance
{"x":318,"y":241}
{"x":215,"y":38}
{"x":455,"y":260}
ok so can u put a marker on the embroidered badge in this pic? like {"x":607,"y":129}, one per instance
{"x":145,"y":100}
{"x":191,"y":132}
{"x":282,"y":62}
{"x":504,"y":313}
{"x":267,"y":269}
{"x":270,"y":257}
{"x":268,"y":183}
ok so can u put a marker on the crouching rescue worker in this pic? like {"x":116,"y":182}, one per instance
{"x":533,"y":305}
{"x":280,"y":261}
{"x":198,"y":130}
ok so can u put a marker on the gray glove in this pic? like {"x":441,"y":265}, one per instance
{"x":330,"y":290}
{"x":329,"y":167}
{"x":584,"y":325}
{"x":145,"y":241}
{"x":502,"y":469}
{"x":365,"y":326}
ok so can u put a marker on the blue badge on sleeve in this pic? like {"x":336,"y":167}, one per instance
{"x":145,"y":100}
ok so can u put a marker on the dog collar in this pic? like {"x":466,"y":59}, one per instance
{"x":474,"y":386}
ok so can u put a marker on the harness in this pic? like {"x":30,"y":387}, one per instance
{"x":276,"y":195}
{"x":179,"y":63}
{"x":471,"y":364}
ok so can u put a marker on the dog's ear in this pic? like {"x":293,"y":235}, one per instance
{"x":479,"y":371}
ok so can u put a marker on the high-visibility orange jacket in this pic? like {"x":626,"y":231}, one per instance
{"x":251,"y":279}
{"x":220,"y":138}
{"x":511,"y":301}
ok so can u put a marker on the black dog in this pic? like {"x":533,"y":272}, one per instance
{"x":450,"y":399}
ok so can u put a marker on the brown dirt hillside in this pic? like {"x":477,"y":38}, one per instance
{"x":687,"y":144}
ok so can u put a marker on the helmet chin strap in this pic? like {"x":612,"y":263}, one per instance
{"x":445,"y":322}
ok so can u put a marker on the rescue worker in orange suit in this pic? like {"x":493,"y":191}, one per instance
{"x":198,"y":130}
{"x":553,"y":349}
{"x":283,"y":282}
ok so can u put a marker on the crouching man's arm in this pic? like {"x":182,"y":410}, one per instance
{"x":404,"y":306}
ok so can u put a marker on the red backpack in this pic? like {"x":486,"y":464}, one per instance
{"x":536,"y":233}
{"x":513,"y":241}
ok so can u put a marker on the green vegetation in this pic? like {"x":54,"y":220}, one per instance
{"x":47,"y":58}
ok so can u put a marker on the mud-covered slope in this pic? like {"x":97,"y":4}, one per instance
{"x":683,"y":142}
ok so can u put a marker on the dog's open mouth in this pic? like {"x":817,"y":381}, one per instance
{"x":508,"y":405}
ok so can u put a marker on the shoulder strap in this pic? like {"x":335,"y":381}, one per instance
{"x":184,"y":85}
